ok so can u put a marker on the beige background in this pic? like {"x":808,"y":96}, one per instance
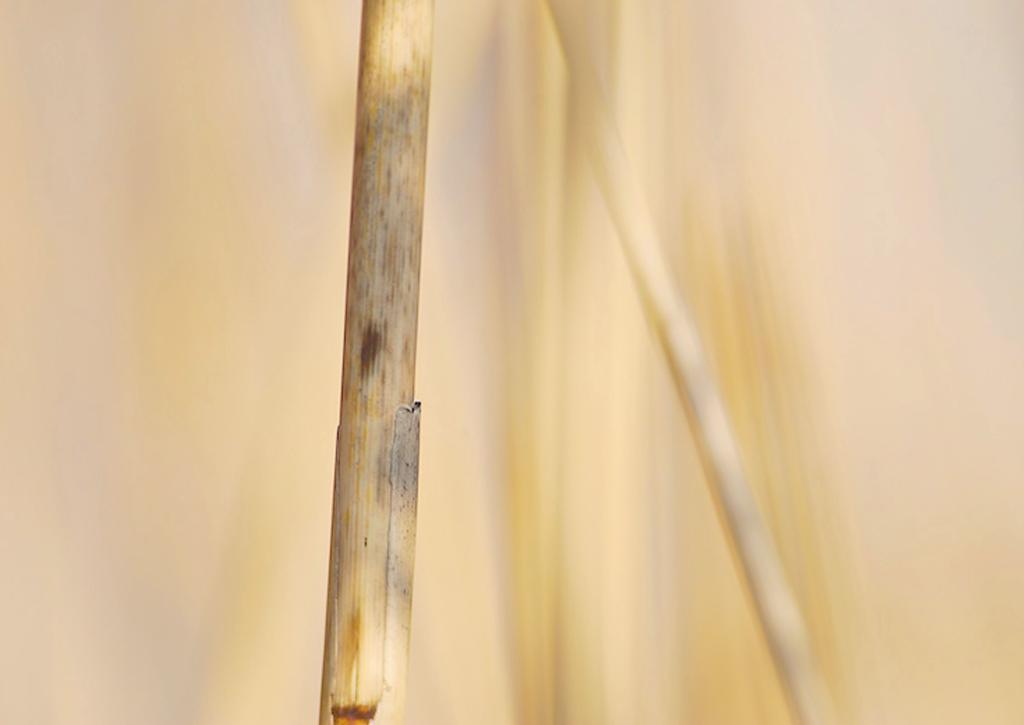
{"x":841,"y":187}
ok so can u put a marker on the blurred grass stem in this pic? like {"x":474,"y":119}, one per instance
{"x":759,"y":561}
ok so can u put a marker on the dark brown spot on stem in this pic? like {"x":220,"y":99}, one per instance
{"x":369,"y":349}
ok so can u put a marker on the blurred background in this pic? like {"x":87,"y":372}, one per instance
{"x":840,"y":188}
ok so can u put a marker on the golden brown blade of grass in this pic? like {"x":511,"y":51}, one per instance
{"x":373,"y":520}
{"x":531,"y":131}
{"x":760,"y":565}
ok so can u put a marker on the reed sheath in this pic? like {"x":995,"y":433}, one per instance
{"x":373,"y":516}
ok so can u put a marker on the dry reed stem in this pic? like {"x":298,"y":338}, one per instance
{"x":760,"y":565}
{"x":373,"y":518}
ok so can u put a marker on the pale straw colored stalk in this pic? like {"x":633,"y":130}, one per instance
{"x":373,"y":519}
{"x":759,"y":562}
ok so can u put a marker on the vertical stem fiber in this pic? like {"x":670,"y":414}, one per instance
{"x":378,"y":362}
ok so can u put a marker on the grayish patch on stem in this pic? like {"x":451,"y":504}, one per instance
{"x":404,"y":478}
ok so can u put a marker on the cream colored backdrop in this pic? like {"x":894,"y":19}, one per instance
{"x":841,"y":189}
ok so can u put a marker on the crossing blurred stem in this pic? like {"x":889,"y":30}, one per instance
{"x":759,"y":563}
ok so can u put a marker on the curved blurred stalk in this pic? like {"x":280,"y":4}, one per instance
{"x":761,"y":568}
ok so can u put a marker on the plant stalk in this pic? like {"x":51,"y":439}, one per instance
{"x":760,"y":565}
{"x":376,"y":459}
